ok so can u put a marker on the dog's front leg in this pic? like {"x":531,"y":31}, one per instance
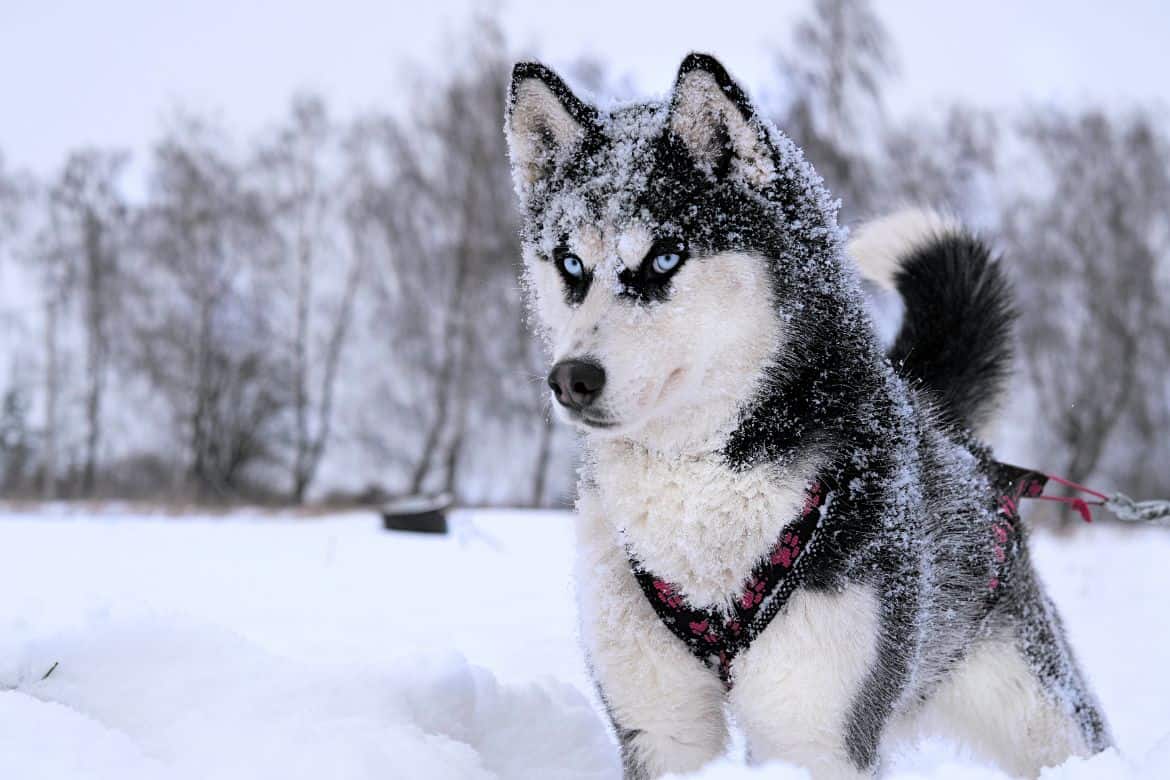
{"x":665,"y":705}
{"x":797,"y":686}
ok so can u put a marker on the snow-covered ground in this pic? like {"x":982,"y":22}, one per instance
{"x":282,"y":647}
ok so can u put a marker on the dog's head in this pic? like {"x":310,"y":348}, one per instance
{"x":662,"y":242}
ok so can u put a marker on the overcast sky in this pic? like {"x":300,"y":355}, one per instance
{"x":74,"y":73}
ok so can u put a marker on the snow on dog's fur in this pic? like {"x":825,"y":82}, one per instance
{"x":709,"y":337}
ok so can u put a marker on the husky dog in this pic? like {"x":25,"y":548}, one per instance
{"x":754,"y":455}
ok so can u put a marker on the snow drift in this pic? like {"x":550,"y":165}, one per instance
{"x":157,"y":699}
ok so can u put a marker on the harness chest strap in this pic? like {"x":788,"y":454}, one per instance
{"x":716,"y":637}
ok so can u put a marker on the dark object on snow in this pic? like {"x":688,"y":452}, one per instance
{"x":421,"y":514}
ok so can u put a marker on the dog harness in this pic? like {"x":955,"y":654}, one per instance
{"x":716,"y":637}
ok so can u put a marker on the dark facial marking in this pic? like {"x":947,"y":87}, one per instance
{"x":576,"y":286}
{"x":649,"y":282}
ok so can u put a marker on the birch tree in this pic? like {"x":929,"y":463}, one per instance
{"x":299,"y":169}
{"x":1091,"y":242}
{"x":836,"y":69}
{"x":89,"y":218}
{"x":203,"y":330}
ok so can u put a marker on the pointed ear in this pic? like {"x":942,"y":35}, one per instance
{"x":544,"y":123}
{"x":715,"y":121}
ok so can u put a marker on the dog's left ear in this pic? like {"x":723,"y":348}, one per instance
{"x":544,"y":122}
{"x":717,"y":124}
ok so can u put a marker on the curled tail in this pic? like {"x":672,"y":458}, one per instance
{"x":955,"y":339}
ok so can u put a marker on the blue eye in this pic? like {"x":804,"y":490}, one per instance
{"x":571,"y":264}
{"x":664,"y":264}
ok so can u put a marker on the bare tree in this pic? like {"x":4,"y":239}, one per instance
{"x":298,"y":169}
{"x":16,"y":445}
{"x":15,"y":436}
{"x":390,"y":224}
{"x":203,"y":331}
{"x":88,"y":227}
{"x":12,"y":196}
{"x":944,"y":164}
{"x":51,"y":259}
{"x":442,"y":209}
{"x":1095,"y":326}
{"x":841,"y":57}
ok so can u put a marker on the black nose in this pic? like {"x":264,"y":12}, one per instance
{"x":576,"y":383}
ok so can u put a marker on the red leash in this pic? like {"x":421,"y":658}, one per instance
{"x":1078,"y":504}
{"x":1122,"y":506}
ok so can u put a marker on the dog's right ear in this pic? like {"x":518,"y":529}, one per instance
{"x":544,"y":122}
{"x":713,"y":117}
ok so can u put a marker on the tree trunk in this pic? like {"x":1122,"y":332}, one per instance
{"x":301,"y":469}
{"x":460,"y":399}
{"x":316,"y":448}
{"x":454,"y":451}
{"x":49,"y":477}
{"x":448,"y":360}
{"x":201,"y":413}
{"x":95,"y":362}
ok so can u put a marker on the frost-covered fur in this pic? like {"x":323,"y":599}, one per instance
{"x":739,"y":513}
{"x":685,"y":248}
{"x":809,"y":665}
{"x":995,"y":703}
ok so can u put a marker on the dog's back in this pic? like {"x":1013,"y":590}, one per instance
{"x":993,"y":640}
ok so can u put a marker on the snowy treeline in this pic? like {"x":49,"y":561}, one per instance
{"x":333,"y":307}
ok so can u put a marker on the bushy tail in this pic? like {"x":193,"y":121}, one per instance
{"x":955,"y":337}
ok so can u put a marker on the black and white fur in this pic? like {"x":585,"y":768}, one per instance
{"x":732,"y":381}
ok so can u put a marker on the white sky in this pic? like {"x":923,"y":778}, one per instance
{"x":74,"y":73}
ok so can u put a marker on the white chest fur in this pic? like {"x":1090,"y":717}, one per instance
{"x":693,"y":521}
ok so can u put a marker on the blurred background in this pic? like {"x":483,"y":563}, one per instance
{"x":267,"y":252}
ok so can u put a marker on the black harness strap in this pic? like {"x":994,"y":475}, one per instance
{"x":1012,"y":484}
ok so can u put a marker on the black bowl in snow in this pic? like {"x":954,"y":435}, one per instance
{"x":420,"y":514}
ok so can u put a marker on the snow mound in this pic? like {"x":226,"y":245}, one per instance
{"x":152,"y":698}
